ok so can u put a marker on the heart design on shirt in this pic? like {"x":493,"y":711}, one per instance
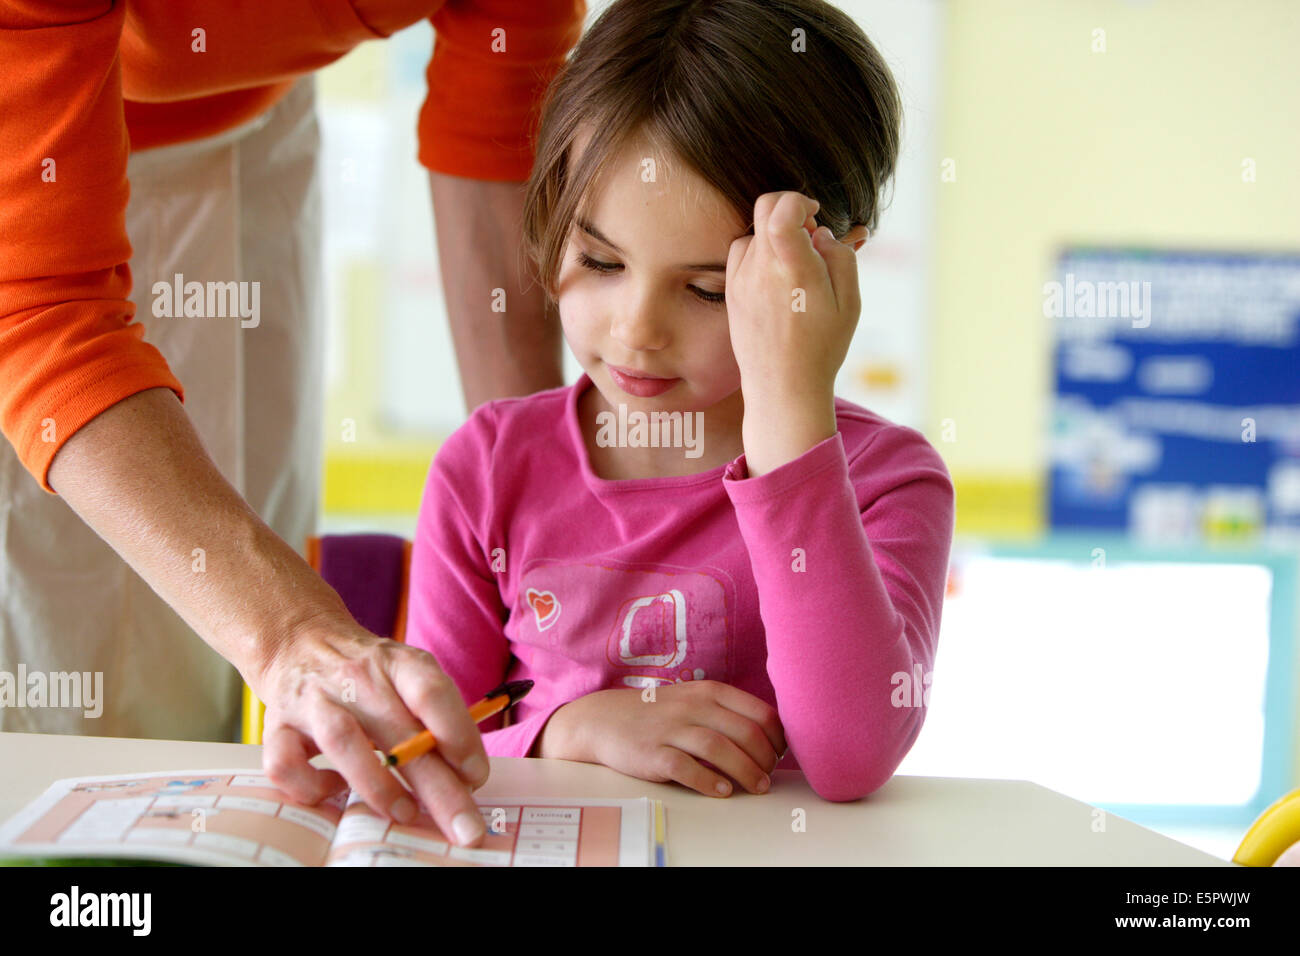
{"x":545,"y":605}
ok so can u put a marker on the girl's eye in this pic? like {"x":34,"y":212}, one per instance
{"x":591,"y":263}
{"x":717,"y":298}
{"x":605,"y":268}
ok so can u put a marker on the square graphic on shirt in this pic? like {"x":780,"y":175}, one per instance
{"x":645,"y":627}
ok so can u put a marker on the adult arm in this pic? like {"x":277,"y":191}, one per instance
{"x":138,"y":475}
{"x":491,"y":65}
{"x":95,"y":415}
{"x":514,"y":351}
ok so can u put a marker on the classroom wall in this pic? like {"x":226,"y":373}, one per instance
{"x":1055,"y":144}
{"x":1051,"y":144}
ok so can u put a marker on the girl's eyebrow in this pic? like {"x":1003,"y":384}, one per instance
{"x":591,"y":230}
{"x":595,"y":233}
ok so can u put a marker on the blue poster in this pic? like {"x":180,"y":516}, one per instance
{"x":1176,"y":412}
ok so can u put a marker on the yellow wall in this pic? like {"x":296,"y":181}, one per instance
{"x":1055,"y":145}
{"x":368,"y":470}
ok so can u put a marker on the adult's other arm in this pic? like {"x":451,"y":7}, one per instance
{"x":492,"y":63}
{"x":515,"y":351}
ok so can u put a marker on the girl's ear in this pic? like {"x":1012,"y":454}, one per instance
{"x":856,"y":236}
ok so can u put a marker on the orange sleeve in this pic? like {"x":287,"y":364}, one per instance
{"x":482,"y":106}
{"x":68,"y":346}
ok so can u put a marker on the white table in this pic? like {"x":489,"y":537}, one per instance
{"x":910,"y":821}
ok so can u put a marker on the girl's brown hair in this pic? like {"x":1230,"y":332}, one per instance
{"x":755,"y":96}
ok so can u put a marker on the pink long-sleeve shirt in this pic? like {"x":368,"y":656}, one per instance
{"x":817,"y":587}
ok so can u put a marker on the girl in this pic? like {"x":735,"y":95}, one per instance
{"x":697,"y":552}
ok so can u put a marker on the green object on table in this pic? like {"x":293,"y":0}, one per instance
{"x":83,"y":861}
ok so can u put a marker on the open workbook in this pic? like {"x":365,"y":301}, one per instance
{"x":237,"y":817}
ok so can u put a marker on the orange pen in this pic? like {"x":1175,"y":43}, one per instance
{"x":493,"y":702}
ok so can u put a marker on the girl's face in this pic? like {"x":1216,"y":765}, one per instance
{"x":640,"y":288}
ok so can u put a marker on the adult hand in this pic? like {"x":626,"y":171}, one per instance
{"x":334,"y":688}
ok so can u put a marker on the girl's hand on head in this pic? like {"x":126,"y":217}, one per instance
{"x":792,"y":307}
{"x":792,"y":299}
{"x":697,"y":733}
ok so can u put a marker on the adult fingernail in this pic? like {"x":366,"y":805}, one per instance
{"x":468,"y":827}
{"x":476,"y":769}
{"x":403,"y":810}
{"x":764,"y":784}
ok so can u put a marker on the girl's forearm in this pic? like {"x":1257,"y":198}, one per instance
{"x":139,"y":476}
{"x":836,"y":634}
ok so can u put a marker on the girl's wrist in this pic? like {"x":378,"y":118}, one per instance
{"x":778,"y":430}
{"x":560,"y":737}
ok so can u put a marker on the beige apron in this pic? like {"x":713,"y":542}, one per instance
{"x":241,"y":206}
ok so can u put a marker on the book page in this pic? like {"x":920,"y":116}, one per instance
{"x":521,"y":831}
{"x":237,"y":817}
{"x":214,"y":817}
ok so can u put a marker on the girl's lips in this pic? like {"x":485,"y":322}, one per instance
{"x":640,"y":386}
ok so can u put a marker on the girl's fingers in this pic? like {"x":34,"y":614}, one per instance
{"x":736,"y":257}
{"x":762,"y":212}
{"x":680,"y":766}
{"x":705,"y":743}
{"x":787,"y":234}
{"x":744,"y":733}
{"x":758,"y":711}
{"x":842,"y":265}
{"x":789,"y":207}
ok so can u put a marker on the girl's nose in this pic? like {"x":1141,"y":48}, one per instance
{"x":640,"y":326}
